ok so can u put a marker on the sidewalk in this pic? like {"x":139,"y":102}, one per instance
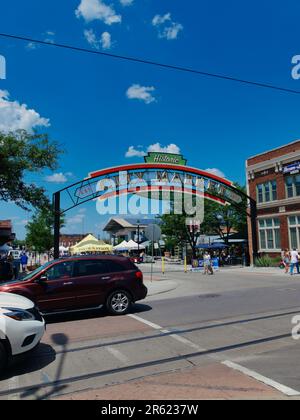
{"x":256,"y":270}
{"x":214,"y":381}
{"x":158,"y":286}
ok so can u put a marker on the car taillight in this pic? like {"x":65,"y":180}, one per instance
{"x":139,"y":275}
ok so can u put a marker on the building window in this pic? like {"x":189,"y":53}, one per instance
{"x":294,"y":231}
{"x":266,"y":192}
{"x":292,"y":186}
{"x":269,"y":234}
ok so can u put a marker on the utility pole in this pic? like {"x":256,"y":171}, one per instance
{"x":138,"y":235}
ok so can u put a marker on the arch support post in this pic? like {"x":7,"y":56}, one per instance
{"x":253,"y":217}
{"x":56,"y":208}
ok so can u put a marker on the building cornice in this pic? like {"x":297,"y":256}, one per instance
{"x":278,"y":203}
{"x":274,"y":150}
{"x":275,"y":162}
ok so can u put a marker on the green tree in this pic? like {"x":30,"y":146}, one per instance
{"x":22,"y":153}
{"x":177,"y":232}
{"x":218,"y":219}
{"x":224,"y":220}
{"x":40,"y":231}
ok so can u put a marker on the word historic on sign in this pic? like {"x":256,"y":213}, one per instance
{"x":167,"y":158}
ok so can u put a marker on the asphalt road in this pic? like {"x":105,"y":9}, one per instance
{"x":223,"y":336}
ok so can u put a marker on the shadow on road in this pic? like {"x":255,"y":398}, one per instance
{"x":91,"y":314}
{"x":41,"y":357}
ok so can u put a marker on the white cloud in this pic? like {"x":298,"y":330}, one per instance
{"x":91,"y":38}
{"x":142,"y":93}
{"x":105,"y":41}
{"x":31,"y":46}
{"x":156,"y":147}
{"x":126,"y":2}
{"x":160,"y":20}
{"x":132,"y":152}
{"x":49,"y":37}
{"x":73,"y":221}
{"x":58,"y":178}
{"x":16,"y":116}
{"x":166,"y":27}
{"x":171,"y":32}
{"x":171,"y":148}
{"x":216,"y":172}
{"x":91,"y":10}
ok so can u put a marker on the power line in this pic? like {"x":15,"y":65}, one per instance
{"x":152,"y":63}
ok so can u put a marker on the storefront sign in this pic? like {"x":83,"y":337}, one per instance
{"x":166,"y":158}
{"x":198,"y":265}
{"x":294,"y":168}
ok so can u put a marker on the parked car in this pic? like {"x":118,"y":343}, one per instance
{"x":136,"y":259}
{"x":6,"y":269}
{"x":82,"y":282}
{"x":21,"y":327}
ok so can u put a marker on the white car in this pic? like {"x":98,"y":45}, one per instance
{"x":21,"y":327}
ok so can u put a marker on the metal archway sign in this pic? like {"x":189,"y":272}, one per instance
{"x":157,"y":174}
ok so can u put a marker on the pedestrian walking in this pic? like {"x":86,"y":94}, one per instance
{"x":286,"y":260}
{"x":24,"y":262}
{"x":207,"y":264}
{"x":294,"y":261}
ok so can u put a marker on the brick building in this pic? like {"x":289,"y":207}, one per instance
{"x":68,"y":240}
{"x":6,"y":234}
{"x":273,"y":180}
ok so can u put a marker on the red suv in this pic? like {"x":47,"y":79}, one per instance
{"x":82,"y":282}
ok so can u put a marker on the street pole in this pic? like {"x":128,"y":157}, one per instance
{"x":152,"y":253}
{"x":138,"y":241}
{"x":56,"y":207}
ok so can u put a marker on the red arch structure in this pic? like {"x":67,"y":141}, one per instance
{"x":216,"y":188}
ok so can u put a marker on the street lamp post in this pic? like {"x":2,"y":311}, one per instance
{"x":138,"y":237}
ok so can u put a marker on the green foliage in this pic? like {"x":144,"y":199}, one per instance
{"x":177,"y":232}
{"x":267,"y":261}
{"x":219,"y":220}
{"x":39,"y":231}
{"x":224,"y":220}
{"x":21,"y":153}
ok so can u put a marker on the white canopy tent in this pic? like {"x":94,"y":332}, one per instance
{"x":123,"y":246}
{"x":134,"y":246}
{"x":128,"y":246}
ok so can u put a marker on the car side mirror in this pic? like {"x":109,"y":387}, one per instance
{"x":42,"y":279}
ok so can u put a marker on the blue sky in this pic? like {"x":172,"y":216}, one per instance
{"x":85,"y":101}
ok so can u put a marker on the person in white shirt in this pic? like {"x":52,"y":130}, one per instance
{"x":207,"y":264}
{"x":294,"y":261}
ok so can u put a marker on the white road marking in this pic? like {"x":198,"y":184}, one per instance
{"x":171,"y":334}
{"x":13,"y":383}
{"x":282,"y":388}
{"x":118,"y":355}
{"x":144,"y":321}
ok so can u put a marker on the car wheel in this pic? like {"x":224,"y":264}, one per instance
{"x":3,"y":358}
{"x":119,"y":302}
